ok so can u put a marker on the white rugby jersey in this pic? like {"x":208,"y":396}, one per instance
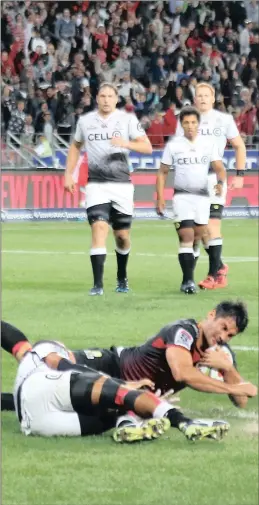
{"x":191,"y":162}
{"x":105,"y":162}
{"x":217,"y":126}
{"x":33,"y":360}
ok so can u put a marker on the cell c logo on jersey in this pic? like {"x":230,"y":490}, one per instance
{"x":116,"y":134}
{"x":140,"y":128}
{"x":205,"y":159}
{"x":217,"y":132}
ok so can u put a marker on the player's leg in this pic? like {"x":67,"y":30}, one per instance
{"x":14,"y":341}
{"x":98,"y":218}
{"x":91,"y":391}
{"x":184,"y":214}
{"x":108,"y":393}
{"x":217,"y":275}
{"x":199,"y":230}
{"x":121,"y":219}
{"x":122,"y":241}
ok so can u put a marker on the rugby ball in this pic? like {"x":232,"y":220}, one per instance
{"x":213,"y":372}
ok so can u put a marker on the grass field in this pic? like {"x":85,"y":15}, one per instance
{"x":46,"y":276}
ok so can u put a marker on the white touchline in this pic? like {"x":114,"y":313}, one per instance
{"x":230,"y":259}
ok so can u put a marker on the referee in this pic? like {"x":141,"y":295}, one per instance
{"x":108,"y":134}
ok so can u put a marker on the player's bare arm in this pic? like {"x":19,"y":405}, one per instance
{"x":219,"y":360}
{"x":72,"y":159}
{"x":220,"y":171}
{"x":140,"y":145}
{"x":240,"y":150}
{"x":181,"y":365}
{"x":160,"y":186}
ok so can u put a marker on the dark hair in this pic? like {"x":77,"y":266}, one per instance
{"x":237,"y":310}
{"x":189,"y":111}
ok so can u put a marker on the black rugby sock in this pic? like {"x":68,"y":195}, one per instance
{"x":122,"y":261}
{"x":98,"y":257}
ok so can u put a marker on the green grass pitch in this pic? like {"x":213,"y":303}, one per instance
{"x":46,"y":276}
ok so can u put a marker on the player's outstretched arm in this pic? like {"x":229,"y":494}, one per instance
{"x":181,"y":365}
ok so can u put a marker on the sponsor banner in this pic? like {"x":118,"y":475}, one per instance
{"x":22,"y":215}
{"x":45,"y":190}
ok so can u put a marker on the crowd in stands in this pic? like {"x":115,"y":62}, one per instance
{"x":54,"y":55}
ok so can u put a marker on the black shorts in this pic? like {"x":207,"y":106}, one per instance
{"x":93,"y":419}
{"x":103,"y":360}
{"x":216,"y":211}
{"x":106,"y":212}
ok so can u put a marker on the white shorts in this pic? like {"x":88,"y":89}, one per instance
{"x":189,"y":207}
{"x":46,"y":406}
{"x":120,"y":195}
{"x":219,"y":200}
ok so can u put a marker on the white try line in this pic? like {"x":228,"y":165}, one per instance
{"x":230,"y":259}
{"x":244,"y":348}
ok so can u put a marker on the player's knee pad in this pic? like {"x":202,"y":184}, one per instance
{"x":216,"y":211}
{"x":120,"y":221}
{"x":81,"y":386}
{"x":11,"y":338}
{"x":99,"y":213}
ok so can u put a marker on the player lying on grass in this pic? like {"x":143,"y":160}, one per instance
{"x":55,"y":397}
{"x":169,"y":358}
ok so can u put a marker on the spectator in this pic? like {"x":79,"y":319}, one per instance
{"x":252,"y":10}
{"x":106,"y":73}
{"x":122,"y":64}
{"x":155,"y":57}
{"x":65,"y":31}
{"x":159,"y":73}
{"x":28,"y":132}
{"x":244,"y":38}
{"x":155,"y":131}
{"x":170,"y":122}
{"x":125,"y":85}
{"x":39,"y":120}
{"x":48,"y":127}
{"x":17,"y":119}
{"x":250,"y":72}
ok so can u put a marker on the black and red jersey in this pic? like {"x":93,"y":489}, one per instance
{"x":149,"y":359}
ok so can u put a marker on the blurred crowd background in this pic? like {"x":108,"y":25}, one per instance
{"x":55,"y":54}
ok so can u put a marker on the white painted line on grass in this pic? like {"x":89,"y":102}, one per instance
{"x":230,"y":259}
{"x":237,"y":414}
{"x":244,"y":348}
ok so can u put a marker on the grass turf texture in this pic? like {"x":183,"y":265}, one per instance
{"x":46,"y":296}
